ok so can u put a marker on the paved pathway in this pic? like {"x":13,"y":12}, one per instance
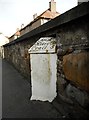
{"x":16,"y":104}
{"x":15,"y":97}
{"x":0,"y":88}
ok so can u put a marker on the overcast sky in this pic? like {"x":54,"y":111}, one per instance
{"x":13,"y":13}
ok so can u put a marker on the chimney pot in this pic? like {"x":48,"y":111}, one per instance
{"x":35,"y":15}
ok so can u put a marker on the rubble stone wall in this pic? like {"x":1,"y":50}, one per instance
{"x":71,"y":30}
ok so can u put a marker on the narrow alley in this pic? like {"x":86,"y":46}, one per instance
{"x":15,"y":97}
{"x":16,"y":103}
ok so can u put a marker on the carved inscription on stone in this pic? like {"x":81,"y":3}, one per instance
{"x":43,"y":45}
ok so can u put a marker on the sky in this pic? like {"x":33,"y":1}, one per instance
{"x":14,"y":13}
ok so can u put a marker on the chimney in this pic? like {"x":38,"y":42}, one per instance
{"x":35,"y":15}
{"x":22,"y":26}
{"x":17,"y":32}
{"x":52,"y":6}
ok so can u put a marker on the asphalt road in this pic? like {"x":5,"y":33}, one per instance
{"x":16,"y":92}
{"x":15,"y":97}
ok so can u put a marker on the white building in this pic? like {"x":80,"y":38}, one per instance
{"x":3,"y":41}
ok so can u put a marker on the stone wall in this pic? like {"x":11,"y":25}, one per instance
{"x":17,"y":54}
{"x":71,"y":31}
{"x":73,"y":57}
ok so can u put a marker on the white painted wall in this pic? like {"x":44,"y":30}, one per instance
{"x":3,"y":41}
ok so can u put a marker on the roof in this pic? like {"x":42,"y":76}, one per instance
{"x":48,"y":14}
{"x":45,"y":15}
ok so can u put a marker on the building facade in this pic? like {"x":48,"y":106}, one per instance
{"x":46,"y":16}
{"x":3,"y":41}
